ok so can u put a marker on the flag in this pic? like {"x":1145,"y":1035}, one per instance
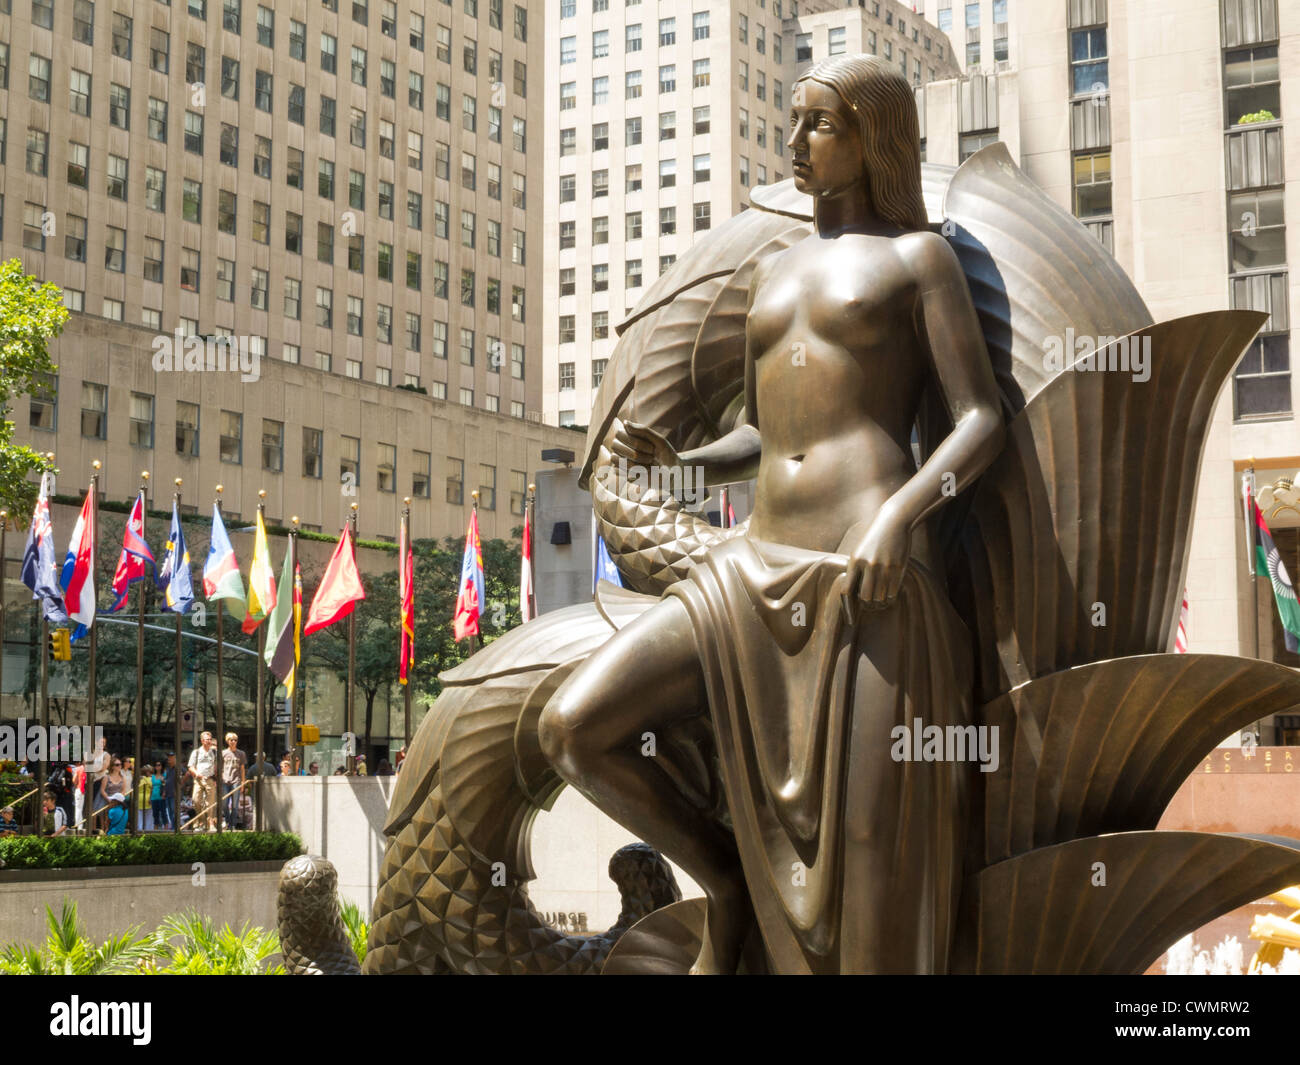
{"x":297,"y":623}
{"x":1268,"y":563}
{"x":469,"y":602}
{"x":78,"y":578}
{"x":135,"y":556}
{"x":527,"y":594}
{"x":39,"y":572}
{"x":280,"y":628}
{"x":261,"y":581}
{"x":605,"y":568}
{"x":221,"y":579}
{"x":406,"y":588}
{"x":174,"y":578}
{"x":340,"y":589}
{"x":1184,"y":623}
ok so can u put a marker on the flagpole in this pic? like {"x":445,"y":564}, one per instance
{"x":261,"y":689}
{"x":352,"y":659}
{"x":476,"y":640}
{"x":221,"y":692}
{"x":291,"y":739}
{"x":298,"y":707}
{"x":530,"y":517}
{"x":177,"y":561}
{"x":41,"y":767}
{"x":401,"y":610}
{"x":92,"y":689}
{"x":1254,"y":576}
{"x":133,"y":805}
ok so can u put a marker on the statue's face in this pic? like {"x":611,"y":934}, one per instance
{"x":825,"y":144}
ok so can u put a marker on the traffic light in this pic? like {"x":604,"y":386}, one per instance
{"x":60,"y":645}
{"x":307,"y":734}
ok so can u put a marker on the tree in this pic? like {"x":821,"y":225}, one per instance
{"x":31,"y":314}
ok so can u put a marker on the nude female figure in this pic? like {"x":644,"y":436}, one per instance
{"x":845,"y":332}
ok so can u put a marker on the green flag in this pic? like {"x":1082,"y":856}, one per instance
{"x":279,"y":626}
{"x":1268,"y":563}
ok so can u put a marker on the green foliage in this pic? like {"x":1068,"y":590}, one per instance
{"x":1256,"y":116}
{"x":68,"y":951}
{"x":358,"y":927}
{"x":190,"y":944}
{"x":160,"y":848}
{"x":31,"y":314}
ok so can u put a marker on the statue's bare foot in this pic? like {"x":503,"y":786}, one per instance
{"x":727,"y":919}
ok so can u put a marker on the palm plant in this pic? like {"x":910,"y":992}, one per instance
{"x":190,"y":944}
{"x":358,"y":927}
{"x":68,"y":951}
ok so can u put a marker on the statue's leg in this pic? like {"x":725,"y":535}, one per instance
{"x":645,"y":678}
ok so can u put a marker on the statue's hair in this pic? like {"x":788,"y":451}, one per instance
{"x":885,"y":107}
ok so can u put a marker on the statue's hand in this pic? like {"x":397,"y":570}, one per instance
{"x":878,"y":559}
{"x":639,"y":445}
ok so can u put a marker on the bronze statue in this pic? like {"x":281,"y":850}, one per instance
{"x":738,"y":704}
{"x":826,"y":624}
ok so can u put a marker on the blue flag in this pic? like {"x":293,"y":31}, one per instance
{"x":174,"y":577}
{"x":39,"y":571}
{"x":605,"y":568}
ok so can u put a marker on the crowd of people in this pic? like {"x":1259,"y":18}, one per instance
{"x":92,"y":797}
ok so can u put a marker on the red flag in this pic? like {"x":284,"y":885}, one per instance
{"x":406,"y":579}
{"x":1184,"y":622}
{"x":469,"y":602}
{"x":340,"y":589}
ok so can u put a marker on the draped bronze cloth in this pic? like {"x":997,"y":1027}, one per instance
{"x":842,"y":846}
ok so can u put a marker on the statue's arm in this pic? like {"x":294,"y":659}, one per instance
{"x":950,"y":332}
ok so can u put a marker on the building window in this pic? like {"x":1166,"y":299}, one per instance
{"x":632,"y":278}
{"x":836,"y":40}
{"x":703,"y":216}
{"x":43,"y":406}
{"x":94,"y":411}
{"x":667,"y":173}
{"x":970,"y":143}
{"x":599,"y":331}
{"x":668,"y":78}
{"x":568,"y":328}
{"x":1092,"y":185}
{"x":232,"y":437}
{"x":667,"y":221}
{"x":272,"y":445}
{"x":313,"y":453}
{"x":455,"y":481}
{"x":1252,"y":87}
{"x":1089,"y":67}
{"x":38,"y":152}
{"x":114,"y":249}
{"x":187,"y":429}
{"x":700,"y":26}
{"x":632,"y":225}
{"x":386,"y":467}
{"x":350,"y":460}
{"x":702,"y":168}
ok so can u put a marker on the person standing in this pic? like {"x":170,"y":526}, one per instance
{"x":170,"y":791}
{"x":156,"y":803}
{"x":234,"y":771}
{"x":203,"y":767}
{"x":144,"y":800}
{"x":97,"y":765}
{"x":78,"y":795}
{"x":56,"y":821}
{"x":113,"y":783}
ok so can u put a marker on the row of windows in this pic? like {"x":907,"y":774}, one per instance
{"x":569,"y":375}
{"x":117,"y":169}
{"x":632,"y":38}
{"x":701,"y":123}
{"x":700,"y":78}
{"x":119,"y":105}
{"x":83,"y":20}
{"x":569,"y":9}
{"x":231,"y":440}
